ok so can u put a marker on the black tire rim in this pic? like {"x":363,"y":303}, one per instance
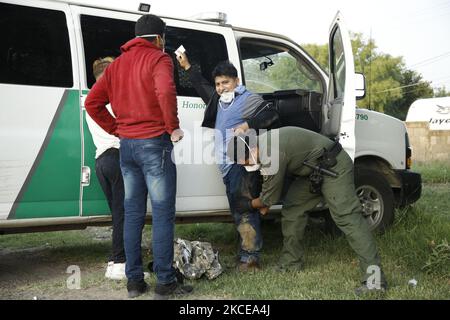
{"x":372,"y":204}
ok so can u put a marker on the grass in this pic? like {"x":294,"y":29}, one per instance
{"x":435,"y":172}
{"x":416,"y":246}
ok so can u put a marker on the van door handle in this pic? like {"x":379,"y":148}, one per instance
{"x":85,"y":176}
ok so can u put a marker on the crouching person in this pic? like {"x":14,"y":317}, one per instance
{"x":299,"y":154}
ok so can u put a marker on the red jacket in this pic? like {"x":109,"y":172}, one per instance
{"x":139,"y":85}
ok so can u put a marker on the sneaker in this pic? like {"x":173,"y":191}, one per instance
{"x":164,"y":291}
{"x":364,"y":289}
{"x":109,"y":269}
{"x":251,"y":266}
{"x":136,"y":288}
{"x":118,"y":272}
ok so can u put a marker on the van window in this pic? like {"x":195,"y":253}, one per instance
{"x":204,"y":50}
{"x":103,"y":37}
{"x":338,"y":65}
{"x":270,"y":67}
{"x":34,"y":47}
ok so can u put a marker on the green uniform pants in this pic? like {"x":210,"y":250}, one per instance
{"x":345,"y":208}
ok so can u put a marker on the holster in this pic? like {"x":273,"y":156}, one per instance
{"x":328,"y":158}
{"x":326,"y":161}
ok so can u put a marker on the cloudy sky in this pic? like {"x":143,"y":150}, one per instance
{"x":418,"y":30}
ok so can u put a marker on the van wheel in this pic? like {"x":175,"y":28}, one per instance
{"x":376,"y":197}
{"x":377,"y":200}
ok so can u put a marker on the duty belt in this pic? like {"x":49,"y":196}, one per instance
{"x":326,"y":161}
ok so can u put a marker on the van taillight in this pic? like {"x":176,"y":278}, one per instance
{"x":408,"y":152}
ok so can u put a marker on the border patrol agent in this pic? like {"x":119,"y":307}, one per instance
{"x":318,"y":168}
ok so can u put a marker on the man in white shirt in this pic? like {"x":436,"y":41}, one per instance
{"x":107,"y":168}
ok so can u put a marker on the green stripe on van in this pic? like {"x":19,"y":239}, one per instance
{"x":94,"y":200}
{"x":52,"y":188}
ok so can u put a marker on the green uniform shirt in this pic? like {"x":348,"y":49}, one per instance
{"x":295,"y":145}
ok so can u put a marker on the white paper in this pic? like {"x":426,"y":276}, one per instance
{"x":180,"y":50}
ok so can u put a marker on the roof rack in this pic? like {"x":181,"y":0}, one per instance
{"x":218,"y":17}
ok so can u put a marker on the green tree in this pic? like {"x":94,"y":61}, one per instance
{"x":390,"y":86}
{"x":441,"y":92}
{"x":412,"y":87}
{"x":319,"y":53}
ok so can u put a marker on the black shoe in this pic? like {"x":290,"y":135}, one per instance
{"x":179,"y":276}
{"x":136,"y":288}
{"x":164,"y":291}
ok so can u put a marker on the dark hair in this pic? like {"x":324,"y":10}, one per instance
{"x":224,"y":68}
{"x":149,"y":24}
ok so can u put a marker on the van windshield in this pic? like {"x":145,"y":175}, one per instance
{"x":270,"y":67}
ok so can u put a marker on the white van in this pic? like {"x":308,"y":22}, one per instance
{"x":46,"y":152}
{"x":435,"y":111}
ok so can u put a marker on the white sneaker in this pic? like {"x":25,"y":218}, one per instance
{"x":109,"y":269}
{"x":118,"y":271}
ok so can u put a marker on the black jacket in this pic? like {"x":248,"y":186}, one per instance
{"x":265,"y":116}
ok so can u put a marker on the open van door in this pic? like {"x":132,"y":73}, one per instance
{"x":339,"y":115}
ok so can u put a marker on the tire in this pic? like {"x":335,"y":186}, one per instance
{"x":377,"y":198}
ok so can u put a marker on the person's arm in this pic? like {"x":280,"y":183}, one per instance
{"x":265,"y":116}
{"x":166,"y":93}
{"x":203,"y":87}
{"x":273,"y":184}
{"x":245,"y":205}
{"x":270,"y":194}
{"x":258,"y":204}
{"x":95,"y":105}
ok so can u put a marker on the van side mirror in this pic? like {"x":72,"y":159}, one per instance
{"x":265,"y":64}
{"x":360,"y":86}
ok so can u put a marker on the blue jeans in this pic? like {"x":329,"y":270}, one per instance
{"x":147,"y":168}
{"x":248,"y":223}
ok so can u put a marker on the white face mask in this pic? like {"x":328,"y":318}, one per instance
{"x":227,"y":97}
{"x":253,"y":168}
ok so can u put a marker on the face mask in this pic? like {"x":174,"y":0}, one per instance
{"x":253,"y":168}
{"x":227,"y":97}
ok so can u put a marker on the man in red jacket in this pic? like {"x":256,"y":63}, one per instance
{"x":139,"y":85}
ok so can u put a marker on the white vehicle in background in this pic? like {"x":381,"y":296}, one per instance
{"x":47,"y":153}
{"x":435,"y":111}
